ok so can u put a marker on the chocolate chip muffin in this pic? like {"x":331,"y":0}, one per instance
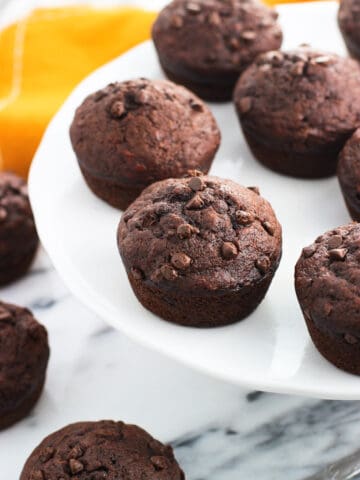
{"x":349,"y":174}
{"x":131,"y":134}
{"x":18,"y":237}
{"x":206,"y":44}
{"x":349,"y":23}
{"x":297,"y":109}
{"x":200,"y":251}
{"x":98,"y":450}
{"x":24,"y":354}
{"x":327,"y":281}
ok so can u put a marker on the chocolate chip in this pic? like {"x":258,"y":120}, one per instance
{"x":297,"y":69}
{"x":177,"y":21}
{"x":168,"y":272}
{"x":196,"y":106}
{"x":309,"y":251}
{"x":255,"y":190}
{"x":160,"y":463}
{"x":185,"y":231}
{"x":193,"y":7}
{"x":3,"y":214}
{"x":195,"y":203}
{"x":269,"y":228}
{"x":46,"y":454}
{"x":322,"y":60}
{"x":338,"y":254}
{"x":245,"y":104}
{"x":263,"y":264}
{"x":118,"y":109}
{"x":234,"y":43}
{"x":248,"y":35}
{"x":76,"y":452}
{"x":181,"y":261}
{"x":244,"y":218}
{"x":229,"y":250}
{"x":75,"y":466}
{"x":350,"y":339}
{"x":214,"y":19}
{"x":37,"y":475}
{"x":335,"y":242}
{"x":196,"y":184}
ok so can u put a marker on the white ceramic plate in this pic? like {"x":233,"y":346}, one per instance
{"x":271,"y":350}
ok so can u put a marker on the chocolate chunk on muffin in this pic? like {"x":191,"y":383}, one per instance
{"x":200,"y":251}
{"x":349,"y":174}
{"x":132,"y":134}
{"x":327,"y":281}
{"x":24,"y":354}
{"x":98,"y":450}
{"x":297,"y":109}
{"x":349,"y":23}
{"x":206,"y":44}
{"x":18,"y":237}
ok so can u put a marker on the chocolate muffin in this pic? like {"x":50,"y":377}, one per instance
{"x":98,"y":450}
{"x":131,"y":134}
{"x":200,"y":251}
{"x":206,"y":44}
{"x":24,"y":354}
{"x":349,"y":174}
{"x":298,"y":108}
{"x":349,"y":23}
{"x":18,"y":237}
{"x":327,"y":281}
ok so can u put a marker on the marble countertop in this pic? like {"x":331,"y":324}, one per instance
{"x":219,"y":431}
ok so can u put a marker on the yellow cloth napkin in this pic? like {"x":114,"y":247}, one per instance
{"x":44,"y":56}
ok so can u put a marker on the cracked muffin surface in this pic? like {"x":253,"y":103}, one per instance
{"x":131,"y":134}
{"x":200,"y":236}
{"x":206,"y":44}
{"x":327,"y":281}
{"x":101,"y":450}
{"x":298,"y":108}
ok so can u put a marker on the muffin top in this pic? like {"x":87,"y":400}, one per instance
{"x":15,"y":210}
{"x":349,"y":18}
{"x":215,"y":34}
{"x":24,"y":354}
{"x":141,"y":130}
{"x":328,"y":280}
{"x":304,"y":97}
{"x":349,"y":169}
{"x":97,"y":450}
{"x":199,"y":234}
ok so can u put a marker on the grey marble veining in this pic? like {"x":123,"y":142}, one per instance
{"x":219,"y":431}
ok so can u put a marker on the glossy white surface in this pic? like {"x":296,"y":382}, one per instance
{"x":271,"y":350}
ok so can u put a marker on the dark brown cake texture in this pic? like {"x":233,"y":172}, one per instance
{"x":206,"y":44}
{"x":24,"y":354}
{"x":18,"y":237}
{"x":131,"y":134}
{"x":200,"y":251}
{"x":327,"y":281}
{"x":349,"y":174}
{"x":349,"y":23}
{"x":298,"y":108}
{"x":101,"y":450}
